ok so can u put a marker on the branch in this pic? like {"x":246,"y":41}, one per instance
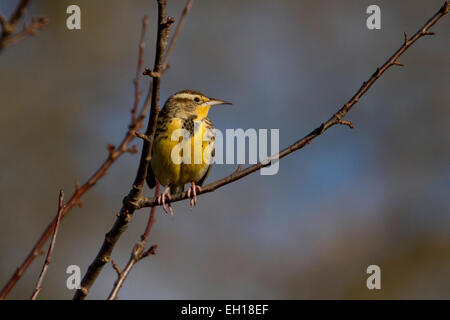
{"x":10,"y":27}
{"x":7,"y":38}
{"x":337,"y":118}
{"x":135,"y":194}
{"x":137,"y":92}
{"x":113,"y":154}
{"x":176,"y":34}
{"x":137,"y":254}
{"x":50,"y":249}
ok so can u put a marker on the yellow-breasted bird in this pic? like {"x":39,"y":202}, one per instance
{"x":186,"y":110}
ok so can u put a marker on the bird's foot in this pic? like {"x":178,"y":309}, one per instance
{"x":192,"y":193}
{"x":162,"y":200}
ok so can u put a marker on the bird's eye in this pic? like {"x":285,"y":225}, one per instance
{"x":197,"y":99}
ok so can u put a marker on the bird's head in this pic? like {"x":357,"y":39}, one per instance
{"x":193,"y":103}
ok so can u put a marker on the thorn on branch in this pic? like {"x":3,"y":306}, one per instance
{"x":117,"y":268}
{"x":111,"y":148}
{"x":133,"y":150}
{"x":3,"y":22}
{"x":322,"y":128}
{"x":445,"y":8}
{"x":397,"y":63}
{"x":428,"y":33}
{"x":239,"y":168}
{"x":168,"y":22}
{"x":150,"y":251}
{"x":406,"y":39}
{"x":362,"y":86}
{"x":150,"y":73}
{"x":142,"y":136}
{"x":377,"y":73}
{"x":346,"y":123}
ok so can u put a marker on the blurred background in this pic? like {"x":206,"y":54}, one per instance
{"x":377,"y":194}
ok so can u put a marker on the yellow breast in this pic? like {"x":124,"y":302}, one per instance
{"x":177,"y":160}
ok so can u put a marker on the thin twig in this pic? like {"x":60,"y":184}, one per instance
{"x":8,"y":37}
{"x":137,"y":254}
{"x":337,"y":118}
{"x":51,"y":247}
{"x":11,"y":25}
{"x":18,"y":13}
{"x":165,"y":66}
{"x":113,"y":154}
{"x":137,"y":91}
{"x":151,"y":218}
{"x":130,"y":201}
{"x":176,"y":34}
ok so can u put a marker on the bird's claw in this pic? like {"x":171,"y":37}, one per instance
{"x":162,"y":200}
{"x":192,"y":193}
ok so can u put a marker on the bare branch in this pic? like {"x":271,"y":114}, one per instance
{"x":137,"y":254}
{"x":137,"y":91}
{"x":346,"y":123}
{"x":176,"y":34}
{"x":18,"y":13}
{"x":151,"y":218}
{"x":135,"y":194}
{"x":9,"y":27}
{"x":142,"y":136}
{"x":150,"y":73}
{"x":3,"y":22}
{"x":36,"y":24}
{"x":166,"y":58}
{"x":116,"y":267}
{"x":51,"y":247}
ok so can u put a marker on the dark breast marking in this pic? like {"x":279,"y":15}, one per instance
{"x":188,"y":124}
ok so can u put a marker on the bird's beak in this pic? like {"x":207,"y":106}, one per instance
{"x":215,"y":102}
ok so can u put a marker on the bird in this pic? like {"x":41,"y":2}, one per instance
{"x":173,"y":168}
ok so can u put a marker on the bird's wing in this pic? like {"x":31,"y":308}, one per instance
{"x":202,"y":180}
{"x":209,"y":125}
{"x":151,"y":181}
{"x":161,"y":128}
